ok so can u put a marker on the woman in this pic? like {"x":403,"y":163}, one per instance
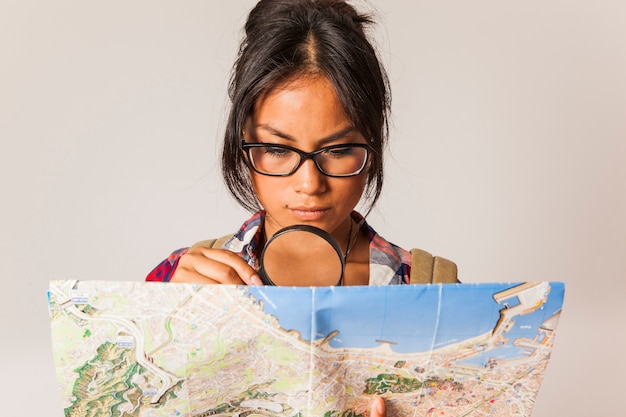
{"x":308,"y":80}
{"x":303,"y":145}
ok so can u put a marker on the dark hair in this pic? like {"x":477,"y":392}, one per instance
{"x":289,"y":38}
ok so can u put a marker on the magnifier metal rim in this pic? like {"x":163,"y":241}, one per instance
{"x":302,"y":228}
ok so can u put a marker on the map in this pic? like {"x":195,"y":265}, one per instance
{"x":163,"y":349}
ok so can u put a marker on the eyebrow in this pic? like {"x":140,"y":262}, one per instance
{"x":329,"y":138}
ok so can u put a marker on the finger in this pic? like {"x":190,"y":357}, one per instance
{"x":216,"y":266}
{"x":234,"y":262}
{"x":378,"y":407}
{"x":197,"y":268}
{"x":186,"y":275}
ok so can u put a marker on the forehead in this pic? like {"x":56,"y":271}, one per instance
{"x":310,"y":97}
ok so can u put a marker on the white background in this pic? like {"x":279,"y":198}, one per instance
{"x":508,"y":156}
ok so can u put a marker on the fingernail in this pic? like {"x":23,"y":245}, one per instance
{"x":255,"y":280}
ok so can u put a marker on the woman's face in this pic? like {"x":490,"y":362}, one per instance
{"x":306,"y":114}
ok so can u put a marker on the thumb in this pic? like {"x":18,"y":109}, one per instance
{"x":378,"y":407}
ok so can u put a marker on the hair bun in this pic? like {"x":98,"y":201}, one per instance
{"x":270,"y":12}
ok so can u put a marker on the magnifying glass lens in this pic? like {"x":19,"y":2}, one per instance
{"x":301,"y":256}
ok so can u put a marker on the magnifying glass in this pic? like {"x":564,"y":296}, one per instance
{"x":302,"y":256}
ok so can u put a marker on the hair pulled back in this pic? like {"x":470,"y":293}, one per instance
{"x":291,"y":38}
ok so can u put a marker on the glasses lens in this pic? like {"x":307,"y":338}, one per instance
{"x":273,"y":159}
{"x":342,"y":161}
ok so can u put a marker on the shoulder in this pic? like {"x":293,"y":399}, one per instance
{"x":391,"y":264}
{"x":163,"y":271}
{"x":212,"y":243}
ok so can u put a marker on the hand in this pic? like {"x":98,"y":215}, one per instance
{"x":214,"y":266}
{"x":378,"y":407}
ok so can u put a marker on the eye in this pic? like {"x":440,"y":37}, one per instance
{"x":340,"y":152}
{"x":276,"y":151}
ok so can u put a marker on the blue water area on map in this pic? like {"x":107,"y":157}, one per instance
{"x":409,"y":316}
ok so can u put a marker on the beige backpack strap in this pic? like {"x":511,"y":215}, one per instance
{"x":429,"y":269}
{"x":212,"y":243}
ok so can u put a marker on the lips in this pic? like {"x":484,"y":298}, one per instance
{"x":308,"y":213}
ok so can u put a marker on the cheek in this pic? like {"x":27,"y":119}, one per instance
{"x":267,"y":189}
{"x":361,"y":179}
{"x":351,"y":189}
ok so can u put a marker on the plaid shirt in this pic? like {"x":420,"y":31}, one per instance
{"x":389,"y":264}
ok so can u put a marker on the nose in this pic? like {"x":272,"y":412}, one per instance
{"x":308,"y":179}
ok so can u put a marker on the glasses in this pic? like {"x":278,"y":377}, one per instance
{"x":345,"y":160}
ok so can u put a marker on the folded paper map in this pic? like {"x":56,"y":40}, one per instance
{"x":162,"y":349}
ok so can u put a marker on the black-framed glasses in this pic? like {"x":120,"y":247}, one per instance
{"x":343,"y":160}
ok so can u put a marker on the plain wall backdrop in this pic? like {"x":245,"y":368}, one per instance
{"x":508,"y":155}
